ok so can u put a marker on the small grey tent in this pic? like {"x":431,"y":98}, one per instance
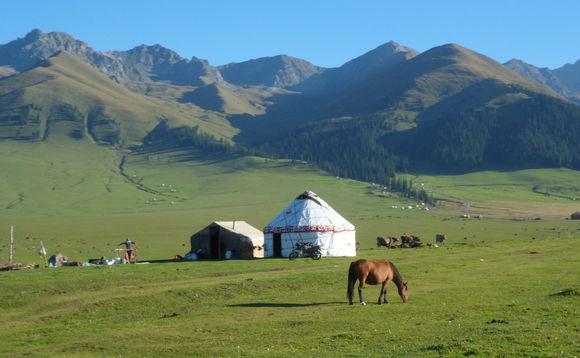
{"x":228,"y":239}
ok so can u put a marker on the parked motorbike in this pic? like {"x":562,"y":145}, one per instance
{"x":304,"y":249}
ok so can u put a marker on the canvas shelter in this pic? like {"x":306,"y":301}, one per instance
{"x":309,"y":219}
{"x":228,"y":239}
{"x":575,"y":216}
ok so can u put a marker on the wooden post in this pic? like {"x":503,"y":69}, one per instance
{"x":11,"y":245}
{"x":43,"y":253}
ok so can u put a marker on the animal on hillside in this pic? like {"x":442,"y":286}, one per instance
{"x":410,"y":241}
{"x":440,"y":238}
{"x":375,"y":272}
{"x":388,"y":241}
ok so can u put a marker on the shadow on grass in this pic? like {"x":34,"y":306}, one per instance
{"x":285,"y":305}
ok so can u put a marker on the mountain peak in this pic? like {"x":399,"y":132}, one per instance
{"x":387,"y":53}
{"x":456,"y":53}
{"x":542,"y":76}
{"x":155,"y":49}
{"x":381,"y":57}
{"x":33,"y":35}
{"x":275,"y":71}
{"x":452,"y":47}
{"x":24,"y":53}
{"x":515,"y":61}
{"x":569,"y":75}
{"x":50,"y":38}
{"x":394,"y":46}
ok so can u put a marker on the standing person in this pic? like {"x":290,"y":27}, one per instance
{"x":129,"y":248}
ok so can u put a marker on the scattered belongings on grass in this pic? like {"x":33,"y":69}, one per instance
{"x":17,"y":266}
{"x":57,"y":260}
{"x":475,"y":216}
{"x":191,"y":256}
{"x":104,"y":262}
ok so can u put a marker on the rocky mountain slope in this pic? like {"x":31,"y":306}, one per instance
{"x":560,"y":81}
{"x":276,"y":71}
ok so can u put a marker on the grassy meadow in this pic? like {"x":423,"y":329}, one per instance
{"x":499,"y":299}
{"x":504,"y":285}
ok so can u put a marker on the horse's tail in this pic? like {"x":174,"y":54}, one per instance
{"x":351,"y":280}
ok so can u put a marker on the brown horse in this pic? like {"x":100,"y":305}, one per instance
{"x":374,"y":272}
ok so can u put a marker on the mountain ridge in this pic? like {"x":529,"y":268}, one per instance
{"x":355,"y":120}
{"x":64,"y":91}
{"x":553,"y":79}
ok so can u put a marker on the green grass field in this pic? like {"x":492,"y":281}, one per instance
{"x":498,"y":299}
{"x":501,"y":286}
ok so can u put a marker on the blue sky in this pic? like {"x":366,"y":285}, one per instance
{"x":327,"y":33}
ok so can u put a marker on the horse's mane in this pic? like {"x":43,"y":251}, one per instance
{"x":398,"y":277}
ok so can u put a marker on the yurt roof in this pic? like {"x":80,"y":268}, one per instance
{"x":308,"y":213}
{"x":240,"y":227}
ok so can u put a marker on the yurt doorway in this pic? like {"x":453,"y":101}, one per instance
{"x":214,"y":242}
{"x":277,"y":241}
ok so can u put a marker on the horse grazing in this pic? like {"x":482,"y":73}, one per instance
{"x":388,"y":241}
{"x":374,"y":272}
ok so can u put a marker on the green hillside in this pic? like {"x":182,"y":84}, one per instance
{"x":448,"y":108}
{"x":226,"y":99}
{"x":68,"y":97}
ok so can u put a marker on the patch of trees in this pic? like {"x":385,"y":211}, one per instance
{"x":407,"y":189}
{"x":538,"y":132}
{"x":347,"y":148}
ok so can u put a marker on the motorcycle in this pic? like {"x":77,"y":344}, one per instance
{"x":304,"y":249}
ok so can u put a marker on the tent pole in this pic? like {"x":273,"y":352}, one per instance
{"x":11,"y":244}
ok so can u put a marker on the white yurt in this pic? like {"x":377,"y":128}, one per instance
{"x":309,"y":219}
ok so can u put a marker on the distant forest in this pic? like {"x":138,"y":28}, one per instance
{"x":538,"y":132}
